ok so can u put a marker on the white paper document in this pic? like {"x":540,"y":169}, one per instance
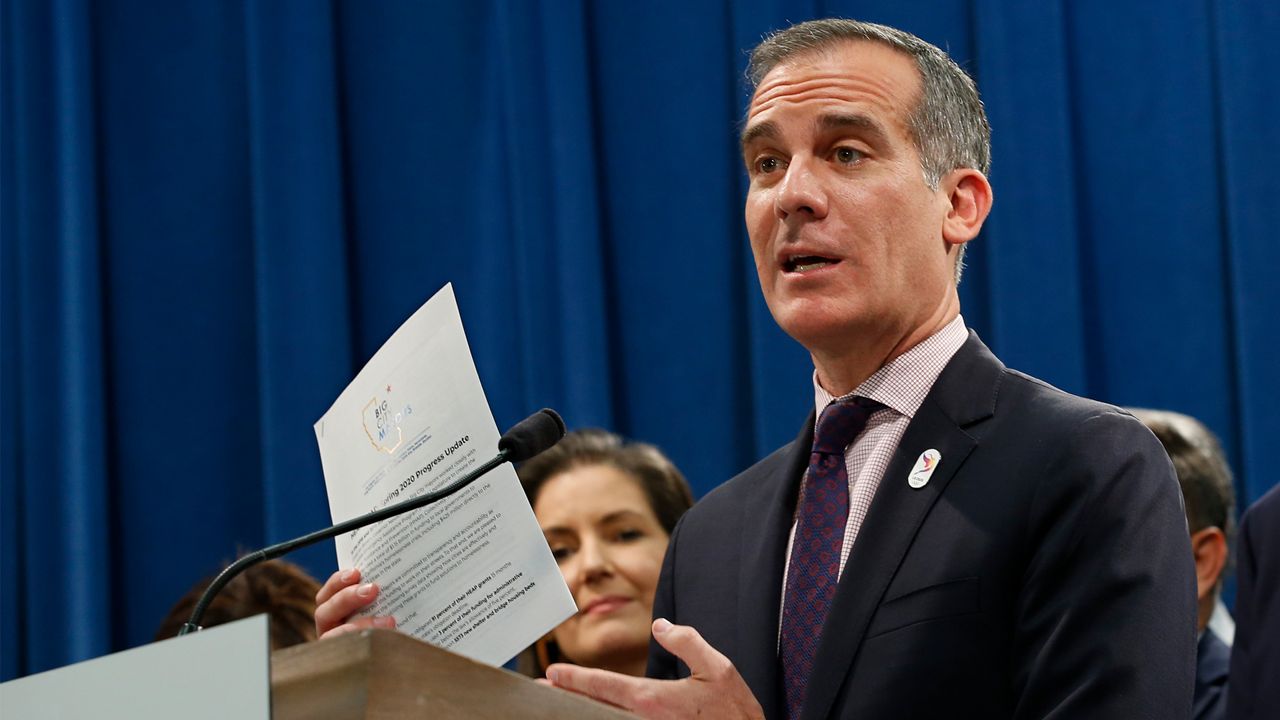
{"x":471,"y":573}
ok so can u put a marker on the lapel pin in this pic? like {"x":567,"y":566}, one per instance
{"x":923,"y":470}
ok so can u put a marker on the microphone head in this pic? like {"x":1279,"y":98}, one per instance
{"x":532,"y":435}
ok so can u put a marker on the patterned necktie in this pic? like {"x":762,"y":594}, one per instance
{"x":815,"y":550}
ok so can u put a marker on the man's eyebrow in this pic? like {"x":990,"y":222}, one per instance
{"x":850,"y":121}
{"x":827,"y":122}
{"x":766,"y":129}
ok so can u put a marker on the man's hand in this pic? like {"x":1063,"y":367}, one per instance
{"x":713,"y":690}
{"x":341,"y":597}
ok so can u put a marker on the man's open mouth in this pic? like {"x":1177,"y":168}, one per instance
{"x":805,"y":263}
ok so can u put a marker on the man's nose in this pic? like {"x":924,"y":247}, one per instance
{"x":801,"y":192}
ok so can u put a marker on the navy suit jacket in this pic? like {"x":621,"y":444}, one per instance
{"x":1213,"y":658}
{"x":1254,"y":691}
{"x":1044,"y":570}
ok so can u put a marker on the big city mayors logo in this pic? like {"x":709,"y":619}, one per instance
{"x":382,"y":425}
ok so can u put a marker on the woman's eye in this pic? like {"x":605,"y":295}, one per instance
{"x":629,"y":534}
{"x":561,"y":553}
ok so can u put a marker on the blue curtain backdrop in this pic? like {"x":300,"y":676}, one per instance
{"x":214,"y":212}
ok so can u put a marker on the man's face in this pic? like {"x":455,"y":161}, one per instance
{"x":847,"y":236}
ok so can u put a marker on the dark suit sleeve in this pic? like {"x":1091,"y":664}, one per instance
{"x":1239,"y":704}
{"x":1212,"y":660}
{"x":1253,"y":691}
{"x":662,"y":664}
{"x":1105,"y":624}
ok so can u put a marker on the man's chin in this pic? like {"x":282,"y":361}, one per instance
{"x":813,"y":327}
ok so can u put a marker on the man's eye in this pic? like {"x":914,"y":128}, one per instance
{"x":846,"y":155}
{"x":561,"y":553}
{"x":767,"y":164}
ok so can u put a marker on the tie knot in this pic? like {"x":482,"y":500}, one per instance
{"x":841,"y":422}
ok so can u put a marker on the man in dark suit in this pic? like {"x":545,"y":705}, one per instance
{"x":1209,"y":498}
{"x":949,"y":538}
{"x":1254,"y":693}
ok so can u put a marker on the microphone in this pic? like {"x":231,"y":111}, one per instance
{"x":530,"y":436}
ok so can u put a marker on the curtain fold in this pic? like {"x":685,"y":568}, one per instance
{"x":302,"y":307}
{"x":559,"y":314}
{"x":56,"y":478}
{"x":213,"y":214}
{"x":1249,"y":102}
{"x":1023,"y":54}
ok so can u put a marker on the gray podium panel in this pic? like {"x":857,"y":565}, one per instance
{"x":215,"y":674}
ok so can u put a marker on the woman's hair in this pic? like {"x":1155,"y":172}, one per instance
{"x":281,"y":589}
{"x":663,"y":485}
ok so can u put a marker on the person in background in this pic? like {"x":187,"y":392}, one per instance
{"x":1254,"y":692}
{"x":1210,"y":502}
{"x":281,"y":589}
{"x":607,"y":509}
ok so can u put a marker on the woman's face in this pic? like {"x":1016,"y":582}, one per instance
{"x":609,"y":545}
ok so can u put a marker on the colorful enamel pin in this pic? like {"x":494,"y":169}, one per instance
{"x":923,"y":470}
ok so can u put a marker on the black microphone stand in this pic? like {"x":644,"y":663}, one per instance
{"x":528,"y":438}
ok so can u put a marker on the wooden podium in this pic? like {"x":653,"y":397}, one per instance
{"x":381,"y":674}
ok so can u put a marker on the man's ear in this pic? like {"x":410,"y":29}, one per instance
{"x":1209,"y":548}
{"x":969,"y":200}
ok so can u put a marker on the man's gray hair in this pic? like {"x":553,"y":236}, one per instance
{"x":948,"y":125}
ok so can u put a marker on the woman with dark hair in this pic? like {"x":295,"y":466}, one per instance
{"x":277,"y":587}
{"x":607,"y":509}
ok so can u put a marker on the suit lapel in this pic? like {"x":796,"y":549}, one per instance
{"x":764,"y":548}
{"x":964,"y":394}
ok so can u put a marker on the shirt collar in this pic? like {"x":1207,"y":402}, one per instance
{"x":902,"y":383}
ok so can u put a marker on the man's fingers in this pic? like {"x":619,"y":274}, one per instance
{"x":337,"y":581}
{"x":605,"y":686}
{"x":715,"y":689}
{"x":687,"y":644}
{"x":345,"y":603}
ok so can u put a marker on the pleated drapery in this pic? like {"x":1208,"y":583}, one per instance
{"x":214,"y":212}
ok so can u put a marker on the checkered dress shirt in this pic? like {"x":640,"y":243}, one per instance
{"x":901,"y":386}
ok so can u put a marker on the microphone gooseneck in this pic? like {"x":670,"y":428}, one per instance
{"x":529,"y":437}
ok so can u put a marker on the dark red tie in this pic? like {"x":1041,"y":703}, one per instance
{"x":815,"y":551}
